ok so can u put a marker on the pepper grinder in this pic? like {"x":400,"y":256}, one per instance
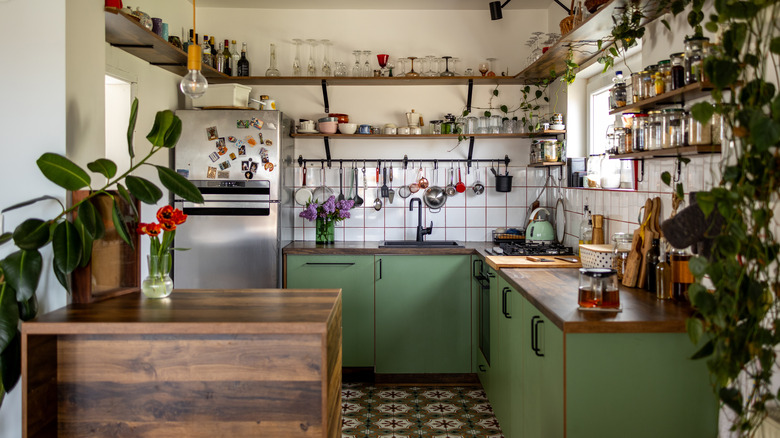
{"x":598,"y":229}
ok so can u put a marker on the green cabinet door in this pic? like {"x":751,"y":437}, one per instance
{"x":423,"y":305}
{"x":509,"y":402}
{"x":488,"y":375}
{"x":354,"y":275}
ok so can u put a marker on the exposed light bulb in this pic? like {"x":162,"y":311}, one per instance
{"x":193,"y":84}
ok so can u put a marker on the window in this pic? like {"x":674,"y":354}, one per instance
{"x":598,"y":120}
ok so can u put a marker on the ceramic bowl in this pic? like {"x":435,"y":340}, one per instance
{"x":342,"y":118}
{"x":329,"y":119}
{"x":327,"y":127}
{"x":347,"y":128}
{"x":403,"y":130}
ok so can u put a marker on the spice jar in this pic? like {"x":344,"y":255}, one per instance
{"x":619,"y":141}
{"x":638,"y":126}
{"x":696,"y":49}
{"x":653,"y":131}
{"x":672,"y":128}
{"x":619,"y":94}
{"x":717,"y":133}
{"x":678,"y":70}
{"x":622,"y":246}
{"x":651,"y":70}
{"x":665,"y":74}
{"x":647,"y":82}
{"x":699,"y":133}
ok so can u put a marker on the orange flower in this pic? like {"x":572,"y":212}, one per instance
{"x":178,"y":217}
{"x":141,"y":229}
{"x":153,"y":229}
{"x":168,"y":226}
{"x":164,"y":214}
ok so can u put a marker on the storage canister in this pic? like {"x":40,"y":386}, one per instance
{"x":699,"y":133}
{"x":678,"y":70}
{"x":636,"y":87}
{"x":665,"y":70}
{"x":619,"y":140}
{"x":638,"y":127}
{"x":646,"y":78}
{"x":673,"y":128}
{"x":653,"y":131}
{"x":695,"y":51}
{"x":650,"y":82}
{"x":619,"y":95}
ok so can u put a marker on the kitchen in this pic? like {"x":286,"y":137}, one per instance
{"x":75,"y":92}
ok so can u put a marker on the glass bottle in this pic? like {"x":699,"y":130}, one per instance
{"x":618,"y":93}
{"x":663,"y":278}
{"x":272,"y":70}
{"x":681,"y":274}
{"x":586,"y":229}
{"x":235,"y":55}
{"x":213,"y":46}
{"x":678,"y":70}
{"x":651,"y":263}
{"x":228,"y":59}
{"x":220,"y":58}
{"x":639,"y":124}
{"x":205,"y":48}
{"x":243,"y":63}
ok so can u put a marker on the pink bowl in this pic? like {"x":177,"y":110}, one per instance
{"x":327,"y":127}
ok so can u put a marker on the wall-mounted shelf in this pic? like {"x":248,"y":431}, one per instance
{"x":672,"y":152}
{"x":547,"y":164}
{"x":346,"y":80}
{"x":674,"y":97}
{"x":428,"y":136}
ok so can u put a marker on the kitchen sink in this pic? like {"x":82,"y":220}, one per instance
{"x":423,"y":244}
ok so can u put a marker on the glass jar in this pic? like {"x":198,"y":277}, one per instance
{"x":621,"y":248}
{"x":549,"y":150}
{"x":673,"y":125}
{"x":696,"y":49}
{"x":717,"y":133}
{"x":647,"y":80}
{"x":651,"y":70}
{"x":678,"y":70}
{"x":638,"y":126}
{"x":619,"y":94}
{"x":636,"y":87}
{"x":494,"y":126}
{"x":698,"y":133}
{"x":682,"y":278}
{"x":653,"y":131}
{"x":598,"y":288}
{"x":665,"y":72}
{"x":436,"y":127}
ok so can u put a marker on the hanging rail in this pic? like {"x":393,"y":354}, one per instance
{"x":405,"y":160}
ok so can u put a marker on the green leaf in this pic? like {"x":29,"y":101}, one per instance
{"x":764,"y":131}
{"x":180,"y":185}
{"x":88,"y":216}
{"x":695,"y":329}
{"x":166,"y":129}
{"x":63,"y":172}
{"x":86,"y":240}
{"x":22,"y":271}
{"x":104,"y":167}
{"x":722,"y":73}
{"x":666,"y":177}
{"x":487,"y":114}
{"x":774,"y":45}
{"x":702,"y":300}
{"x":11,"y":362}
{"x":131,"y":127}
{"x":757,"y":93}
{"x":705,"y":351}
{"x":702,"y":112}
{"x":5,"y":237}
{"x":62,"y":278}
{"x":120,"y":225}
{"x":599,"y":43}
{"x":143,"y":189}
{"x":465,"y":113}
{"x":31,"y":234}
{"x":28,"y":309}
{"x":731,"y":398}
{"x":504,"y":109}
{"x":9,"y":314}
{"x":128,"y":198}
{"x":680,"y":191}
{"x":698,"y":266}
{"x":538,"y":93}
{"x":29,"y":202}
{"x":706,"y":202}
{"x":495,"y":92}
{"x":67,"y":247}
{"x":711,"y":26}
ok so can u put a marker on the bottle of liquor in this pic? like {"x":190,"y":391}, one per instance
{"x":206,"y":50}
{"x":243,"y":63}
{"x":663,"y":276}
{"x":213,"y":51}
{"x":235,"y":55}
{"x":220,"y":59}
{"x":652,"y":261}
{"x":228,"y":59}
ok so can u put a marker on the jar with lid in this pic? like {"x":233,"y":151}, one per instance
{"x":665,"y":72}
{"x":618,"y":95}
{"x":436,"y":127}
{"x":672,"y":127}
{"x":647,"y":80}
{"x":621,"y":248}
{"x":636,"y":87}
{"x":598,"y":288}
{"x":550,"y":150}
{"x":638,"y":126}
{"x":696,"y":49}
{"x":651,"y":71}
{"x":678,"y":70}
{"x":682,"y":278}
{"x":699,"y":133}
{"x":619,"y":141}
{"x":653,"y":131}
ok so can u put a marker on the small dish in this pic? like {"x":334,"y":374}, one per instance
{"x":557,"y":127}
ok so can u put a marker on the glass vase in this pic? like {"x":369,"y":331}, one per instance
{"x":158,"y":284}
{"x":325,"y":231}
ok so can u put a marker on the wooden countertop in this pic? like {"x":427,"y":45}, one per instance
{"x":554,"y":293}
{"x":245,"y":311}
{"x":504,"y":262}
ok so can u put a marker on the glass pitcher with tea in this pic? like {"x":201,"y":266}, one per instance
{"x":598,"y":288}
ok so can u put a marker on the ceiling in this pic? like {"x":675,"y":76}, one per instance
{"x":373,"y":4}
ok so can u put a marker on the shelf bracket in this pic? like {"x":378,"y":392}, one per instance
{"x":300,"y":161}
{"x":327,"y":106}
{"x":642,"y":171}
{"x":679,"y":169}
{"x":327,"y":148}
{"x":471,"y":147}
{"x":468,"y":99}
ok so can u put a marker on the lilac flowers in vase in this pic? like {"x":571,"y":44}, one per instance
{"x":326,"y":216}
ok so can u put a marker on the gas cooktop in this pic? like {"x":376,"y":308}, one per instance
{"x":532,"y":249}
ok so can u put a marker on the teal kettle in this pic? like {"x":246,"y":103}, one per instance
{"x":540,"y":231}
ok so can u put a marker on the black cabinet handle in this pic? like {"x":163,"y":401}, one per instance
{"x":380,"y":269}
{"x":535,"y":321}
{"x":482,"y":368}
{"x":504,"y":292}
{"x":329,"y":264}
{"x":474,"y":272}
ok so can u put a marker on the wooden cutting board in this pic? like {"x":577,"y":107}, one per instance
{"x":647,"y":240}
{"x":503,"y":262}
{"x":634,"y":260}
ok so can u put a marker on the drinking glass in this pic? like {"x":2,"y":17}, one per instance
{"x":341,"y":69}
{"x":272,"y":70}
{"x":447,"y":71}
{"x":297,"y":61}
{"x":432,"y":66}
{"x":400,"y":67}
{"x":455,"y":64}
{"x":311,"y":69}
{"x":412,"y":73}
{"x":381,"y":59}
{"x":326,"y":70}
{"x":482,"y":125}
{"x":357,"y":71}
{"x":483,"y":68}
{"x":492,"y":67}
{"x":367,"y":73}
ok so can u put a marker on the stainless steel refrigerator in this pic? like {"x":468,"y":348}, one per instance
{"x":241,"y":160}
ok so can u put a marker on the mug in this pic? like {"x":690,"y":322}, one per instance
{"x":415,"y":130}
{"x":307,"y":125}
{"x":364,"y":129}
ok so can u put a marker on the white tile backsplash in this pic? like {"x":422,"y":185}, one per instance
{"x":496,"y":217}
{"x":455,"y":216}
{"x":477,"y":235}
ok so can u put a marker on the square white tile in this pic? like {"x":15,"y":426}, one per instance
{"x":457,"y":233}
{"x":476,"y":234}
{"x":354,"y":234}
{"x":455,"y":216}
{"x":394,"y":234}
{"x":496,"y":217}
{"x":495,"y":199}
{"x":476,"y":217}
{"x":374,"y":234}
{"x":394,"y":216}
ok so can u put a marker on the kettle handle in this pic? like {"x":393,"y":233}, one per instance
{"x":533,"y":213}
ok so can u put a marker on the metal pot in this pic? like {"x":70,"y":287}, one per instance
{"x":434,"y":198}
{"x":540,"y":231}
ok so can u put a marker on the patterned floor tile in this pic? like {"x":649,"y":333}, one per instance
{"x":422,"y":411}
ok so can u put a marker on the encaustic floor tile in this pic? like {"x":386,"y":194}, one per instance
{"x":422,"y":411}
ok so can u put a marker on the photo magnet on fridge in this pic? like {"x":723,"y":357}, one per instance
{"x":245,"y":165}
{"x":211,"y":173}
{"x":224,"y":165}
{"x":232,"y":139}
{"x":223,"y":174}
{"x":248,"y":175}
{"x":214,"y":156}
{"x":211,"y":132}
{"x":232,"y":155}
{"x":253,"y":167}
{"x":242,"y":124}
{"x":257,"y":123}
{"x":242,"y":150}
{"x":250,"y":140}
{"x":220,"y":142}
{"x":183,"y":172}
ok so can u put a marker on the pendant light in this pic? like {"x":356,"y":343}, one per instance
{"x":193,"y":84}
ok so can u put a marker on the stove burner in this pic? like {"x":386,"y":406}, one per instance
{"x":535,"y":249}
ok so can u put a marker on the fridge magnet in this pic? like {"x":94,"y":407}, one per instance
{"x":183,"y":172}
{"x":223,"y":174}
{"x":222,"y":150}
{"x":232,"y":155}
{"x":250,"y":140}
{"x":211,"y":173}
{"x":260,"y":136}
{"x":253,"y":167}
{"x":211,"y":132}
{"x":214,"y":156}
{"x":269,"y":143}
{"x":242,"y":124}
{"x":232,"y":139}
{"x":271,"y":126}
{"x":221,"y":142}
{"x":269,"y":167}
{"x":242,"y":150}
{"x":248,"y":175}
{"x":224,"y":165}
{"x":257,"y":123}
{"x":245,"y":165}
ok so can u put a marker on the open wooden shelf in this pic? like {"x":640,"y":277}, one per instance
{"x":674,"y":97}
{"x":429,"y":136}
{"x":332,"y":80}
{"x":673,"y":152}
{"x":547,"y":164}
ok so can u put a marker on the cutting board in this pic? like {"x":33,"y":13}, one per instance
{"x":499,"y":262}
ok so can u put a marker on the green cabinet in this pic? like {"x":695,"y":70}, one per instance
{"x":354,"y":275}
{"x":486,"y":315}
{"x":423,"y":304}
{"x":509,"y":367}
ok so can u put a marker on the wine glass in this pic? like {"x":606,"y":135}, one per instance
{"x":356,"y":70}
{"x":297,"y":61}
{"x":367,"y":65}
{"x":483,"y":68}
{"x":412,"y":73}
{"x":381,"y":59}
{"x":400,"y":67}
{"x":312,"y":66}
{"x":455,"y":66}
{"x":341,"y":69}
{"x":432,"y":66}
{"x":326,"y":70}
{"x":272,"y":70}
{"x":447,"y":71}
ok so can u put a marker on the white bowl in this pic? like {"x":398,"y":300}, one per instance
{"x":557,"y":127}
{"x":347,"y":128}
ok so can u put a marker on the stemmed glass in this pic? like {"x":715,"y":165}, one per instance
{"x":297,"y":61}
{"x":412,"y":73}
{"x":326,"y":71}
{"x":432,"y":69}
{"x":272,"y":70}
{"x":367,"y":65}
{"x":400,"y":67}
{"x":312,"y":66}
{"x":483,"y":68}
{"x":381,"y":59}
{"x":356,"y":70}
{"x":455,"y":66}
{"x":447,"y":71}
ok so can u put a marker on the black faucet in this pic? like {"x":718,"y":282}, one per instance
{"x":420,"y":230}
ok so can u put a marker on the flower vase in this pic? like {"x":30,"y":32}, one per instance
{"x":325,"y":231}
{"x":158,"y":284}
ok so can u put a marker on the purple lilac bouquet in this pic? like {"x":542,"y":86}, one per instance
{"x":330,"y":210}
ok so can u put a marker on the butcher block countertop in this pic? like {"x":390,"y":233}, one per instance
{"x":554,"y":293}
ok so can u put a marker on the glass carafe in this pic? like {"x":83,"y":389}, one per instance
{"x":622,"y":246}
{"x":598,"y":288}
{"x":272,"y":70}
{"x":296,"y":67}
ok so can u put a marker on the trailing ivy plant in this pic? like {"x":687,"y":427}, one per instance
{"x":72,"y":237}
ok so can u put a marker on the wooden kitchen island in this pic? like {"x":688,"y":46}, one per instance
{"x":201,"y":363}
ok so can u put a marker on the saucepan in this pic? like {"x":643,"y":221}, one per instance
{"x":434,"y":196}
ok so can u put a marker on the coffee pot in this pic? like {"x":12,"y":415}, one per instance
{"x":414,"y":119}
